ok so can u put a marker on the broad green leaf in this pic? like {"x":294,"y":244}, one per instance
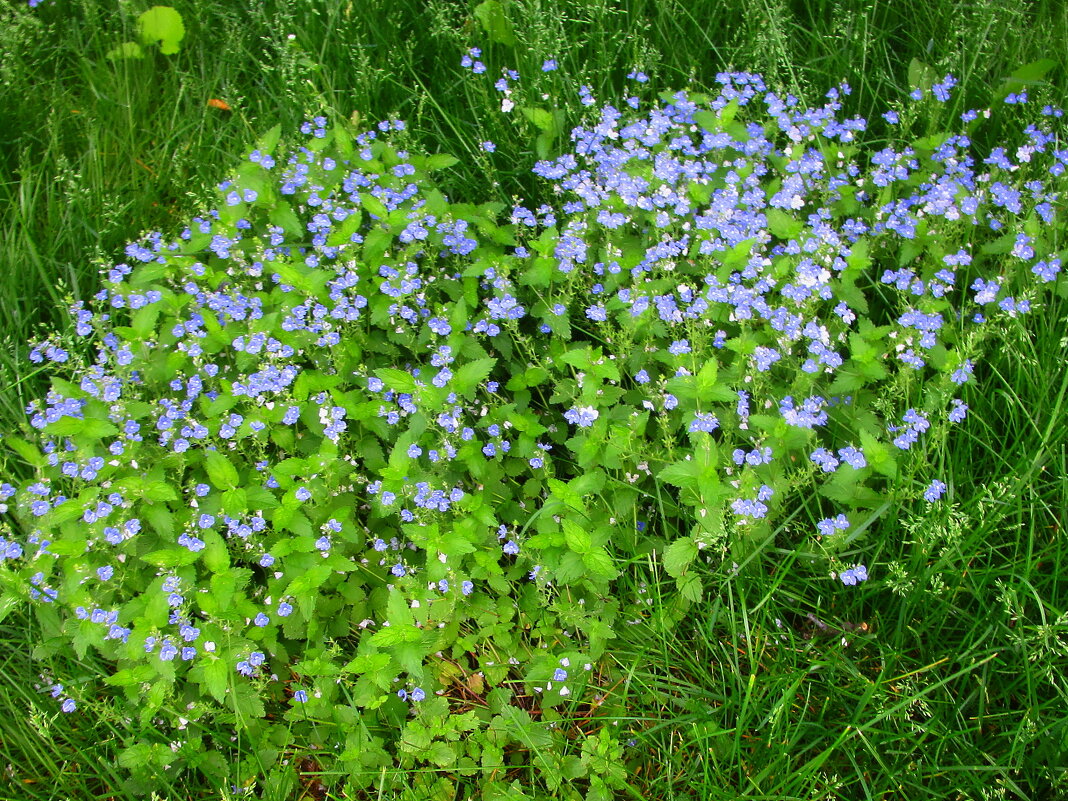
{"x":878,"y":454}
{"x":397,"y":380}
{"x":679,"y":555}
{"x":566,"y":494}
{"x":90,"y":428}
{"x":470,"y":375}
{"x":491,"y":15}
{"x":600,"y":563}
{"x":171,"y":557}
{"x":690,"y":587}
{"x":578,"y":539}
{"x":217,"y":678}
{"x":707,"y":120}
{"x":542,"y":118}
{"x":681,"y":474}
{"x":440,"y":161}
{"x":221,"y":472}
{"x":373,"y":205}
{"x":162,"y":25}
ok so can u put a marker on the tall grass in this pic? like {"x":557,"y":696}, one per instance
{"x":946,"y":685}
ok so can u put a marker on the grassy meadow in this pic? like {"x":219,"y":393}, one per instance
{"x":942,"y":677}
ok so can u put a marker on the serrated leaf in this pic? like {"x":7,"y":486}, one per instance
{"x":678,"y":556}
{"x":566,"y":494}
{"x":681,"y":474}
{"x":217,"y":678}
{"x":690,"y":587}
{"x":707,"y":120}
{"x":397,"y":380}
{"x":440,"y":161}
{"x":87,"y":428}
{"x":221,"y":471}
{"x":600,"y":563}
{"x":470,"y":375}
{"x":171,"y":557}
{"x":577,"y":538}
{"x":542,"y":118}
{"x":373,"y":205}
{"x":124,"y":51}
{"x":878,"y":455}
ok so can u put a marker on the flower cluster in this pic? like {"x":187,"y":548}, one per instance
{"x":301,"y":409}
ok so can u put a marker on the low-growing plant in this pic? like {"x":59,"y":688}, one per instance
{"x":160,"y":26}
{"x":355,"y":469}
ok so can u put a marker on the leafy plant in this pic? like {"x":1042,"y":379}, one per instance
{"x":357,"y":463}
{"x":160,"y":26}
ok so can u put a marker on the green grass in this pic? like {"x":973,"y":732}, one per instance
{"x":955,"y":689}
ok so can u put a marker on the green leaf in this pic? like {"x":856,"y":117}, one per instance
{"x":681,"y":474}
{"x":217,"y":678}
{"x":161,"y":25}
{"x":221,"y":471}
{"x":124,"y":51}
{"x":373,"y":205}
{"x":542,"y":118}
{"x":171,"y":557}
{"x":690,"y":587}
{"x":305,"y":587}
{"x":921,"y":76}
{"x":878,"y":455}
{"x":495,"y":22}
{"x":707,"y":120}
{"x":600,"y":563}
{"x":29,"y":452}
{"x":397,"y":380}
{"x":783,"y":225}
{"x":89,"y":428}
{"x":566,"y":494}
{"x":8,"y":602}
{"x":470,"y":375}
{"x":577,"y":538}
{"x":440,"y":161}
{"x":678,"y":556}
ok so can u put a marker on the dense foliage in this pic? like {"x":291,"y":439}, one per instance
{"x":353,"y":453}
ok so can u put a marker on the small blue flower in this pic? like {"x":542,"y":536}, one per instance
{"x":300,"y":696}
{"x":549,"y":65}
{"x":489,"y":147}
{"x":854,"y":575}
{"x":934,"y":491}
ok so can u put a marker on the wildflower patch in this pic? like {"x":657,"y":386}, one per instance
{"x":351,"y":453}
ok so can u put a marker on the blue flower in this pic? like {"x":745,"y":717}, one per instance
{"x":582,"y":416}
{"x":704,"y":421}
{"x":300,"y":696}
{"x":548,"y":65}
{"x":934,"y":491}
{"x":854,"y":575}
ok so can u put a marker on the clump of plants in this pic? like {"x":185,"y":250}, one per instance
{"x":354,"y":469}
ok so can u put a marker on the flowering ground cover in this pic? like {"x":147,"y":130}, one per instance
{"x":716,"y":462}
